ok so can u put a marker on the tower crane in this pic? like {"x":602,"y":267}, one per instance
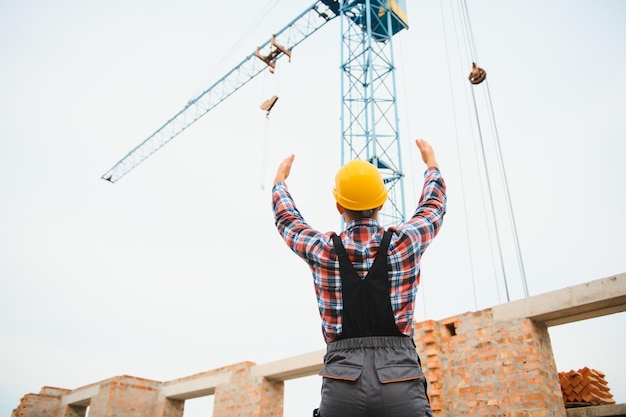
{"x":369,"y":113}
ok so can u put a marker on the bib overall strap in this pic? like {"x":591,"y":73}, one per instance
{"x":367,"y":308}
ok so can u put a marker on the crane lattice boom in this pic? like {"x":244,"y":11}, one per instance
{"x":280,"y":44}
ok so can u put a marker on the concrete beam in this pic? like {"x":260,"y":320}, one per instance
{"x":580,"y":302}
{"x":80,"y":396}
{"x":187,"y":389}
{"x":290,"y":368}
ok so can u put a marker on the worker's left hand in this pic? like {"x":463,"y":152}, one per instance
{"x":284,"y":169}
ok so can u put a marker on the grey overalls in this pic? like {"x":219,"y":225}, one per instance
{"x":373,"y":370}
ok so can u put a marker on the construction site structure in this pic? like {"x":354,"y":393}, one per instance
{"x":493,"y":362}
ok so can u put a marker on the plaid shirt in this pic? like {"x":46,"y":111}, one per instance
{"x":361,"y":239}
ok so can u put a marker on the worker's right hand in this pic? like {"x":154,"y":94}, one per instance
{"x":428,"y":154}
{"x":284,"y":169}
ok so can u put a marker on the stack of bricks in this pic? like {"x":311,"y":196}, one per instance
{"x":585,"y":387}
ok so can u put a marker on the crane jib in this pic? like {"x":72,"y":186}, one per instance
{"x":280,"y":44}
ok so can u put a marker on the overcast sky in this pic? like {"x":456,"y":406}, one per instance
{"x":177,"y":268}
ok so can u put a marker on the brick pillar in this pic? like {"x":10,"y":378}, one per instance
{"x":477,"y":367}
{"x":247,"y":395}
{"x":125,"y":396}
{"x":427,"y":338}
{"x":44,"y":404}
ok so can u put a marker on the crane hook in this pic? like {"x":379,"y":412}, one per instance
{"x":268,"y":104}
{"x":477,"y":75}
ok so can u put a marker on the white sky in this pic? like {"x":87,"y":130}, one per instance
{"x":177,"y":269}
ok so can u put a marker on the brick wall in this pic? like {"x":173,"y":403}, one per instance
{"x":44,"y":404}
{"x":477,"y":367}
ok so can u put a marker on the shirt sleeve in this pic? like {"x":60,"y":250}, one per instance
{"x":297,"y":234}
{"x":426,"y":221}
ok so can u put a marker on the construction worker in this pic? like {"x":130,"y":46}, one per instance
{"x":366,"y":281}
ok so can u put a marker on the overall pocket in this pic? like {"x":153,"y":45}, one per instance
{"x":346,"y":366}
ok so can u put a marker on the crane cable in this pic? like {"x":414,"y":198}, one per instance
{"x":457,"y":140}
{"x":266,"y":135}
{"x":509,"y":204}
{"x":466,"y":36}
{"x":472,"y":48}
{"x":254,"y":24}
{"x":413,"y":169}
{"x":267,"y":106}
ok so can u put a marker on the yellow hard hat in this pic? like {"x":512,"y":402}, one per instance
{"x":359,"y":186}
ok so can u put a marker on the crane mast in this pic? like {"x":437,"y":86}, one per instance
{"x":369,"y":114}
